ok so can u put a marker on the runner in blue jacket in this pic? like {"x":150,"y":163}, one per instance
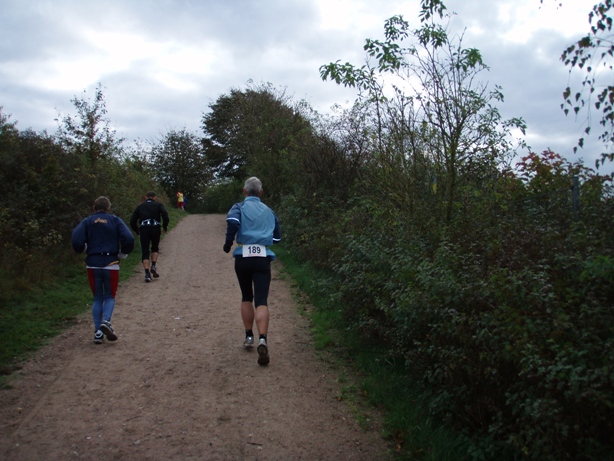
{"x":106,"y":239}
{"x":256,"y":228}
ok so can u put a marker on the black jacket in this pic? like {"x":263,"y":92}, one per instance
{"x":151,"y":212}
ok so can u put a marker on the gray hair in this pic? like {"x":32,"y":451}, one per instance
{"x":253,"y":186}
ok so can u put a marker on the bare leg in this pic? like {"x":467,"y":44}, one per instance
{"x":262,"y":322}
{"x":146,"y":264}
{"x":262,"y":319}
{"x":261,"y":315}
{"x":247,"y":314}
{"x":154,"y":257}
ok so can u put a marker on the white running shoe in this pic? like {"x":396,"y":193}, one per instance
{"x":263,"y":352}
{"x":249,"y":342}
{"x":98,"y":337}
{"x":108,"y":330}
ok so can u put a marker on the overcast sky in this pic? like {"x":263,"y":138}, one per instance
{"x":162,"y":62}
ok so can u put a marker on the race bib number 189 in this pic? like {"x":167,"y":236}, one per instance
{"x":250,"y":251}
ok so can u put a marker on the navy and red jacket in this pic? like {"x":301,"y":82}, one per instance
{"x":103,"y":236}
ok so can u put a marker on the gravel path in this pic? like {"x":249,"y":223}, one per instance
{"x":178,"y":385}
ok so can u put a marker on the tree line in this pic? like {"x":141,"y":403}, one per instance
{"x":435,"y":239}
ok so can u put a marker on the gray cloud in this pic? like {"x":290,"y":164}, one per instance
{"x":161,"y":63}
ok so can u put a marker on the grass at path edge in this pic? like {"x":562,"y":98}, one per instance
{"x":368,"y":374}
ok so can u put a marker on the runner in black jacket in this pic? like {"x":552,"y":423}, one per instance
{"x":148,"y":220}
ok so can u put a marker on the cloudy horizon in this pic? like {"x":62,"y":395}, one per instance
{"x":162,"y":63}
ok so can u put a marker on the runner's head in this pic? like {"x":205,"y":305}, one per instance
{"x":102,"y":204}
{"x":253,"y":187}
{"x":151,"y":194}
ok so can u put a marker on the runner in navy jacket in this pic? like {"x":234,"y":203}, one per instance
{"x":106,"y":239}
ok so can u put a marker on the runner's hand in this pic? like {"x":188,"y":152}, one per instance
{"x":227,"y":247}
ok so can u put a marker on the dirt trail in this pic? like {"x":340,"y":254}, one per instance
{"x":178,"y":385}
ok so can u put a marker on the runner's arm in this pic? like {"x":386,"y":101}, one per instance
{"x":165,"y":219}
{"x":134,"y":220}
{"x":233,"y":221}
{"x":126,"y":238}
{"x":277,"y":230}
{"x":79,"y":237}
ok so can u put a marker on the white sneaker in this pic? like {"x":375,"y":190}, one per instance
{"x":263,"y":352}
{"x":108,"y":330}
{"x":98,"y":337}
{"x":249,"y":342}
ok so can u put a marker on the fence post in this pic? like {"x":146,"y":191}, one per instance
{"x":575,"y":196}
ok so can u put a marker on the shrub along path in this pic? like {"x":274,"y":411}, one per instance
{"x":178,"y":383}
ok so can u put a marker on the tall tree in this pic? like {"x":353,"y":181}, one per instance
{"x":89,"y":133}
{"x":459,"y":117}
{"x":180,"y":164}
{"x":254,"y":132}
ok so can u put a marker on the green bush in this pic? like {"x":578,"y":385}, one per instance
{"x":502,"y":314}
{"x":220,"y":197}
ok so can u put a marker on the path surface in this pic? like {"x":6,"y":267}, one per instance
{"x":178,"y":385}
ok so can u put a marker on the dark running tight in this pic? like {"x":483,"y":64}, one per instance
{"x":254,"y":275}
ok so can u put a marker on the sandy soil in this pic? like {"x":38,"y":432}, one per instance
{"x":178,"y":385}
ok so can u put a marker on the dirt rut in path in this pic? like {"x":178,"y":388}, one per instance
{"x":178,"y":385}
